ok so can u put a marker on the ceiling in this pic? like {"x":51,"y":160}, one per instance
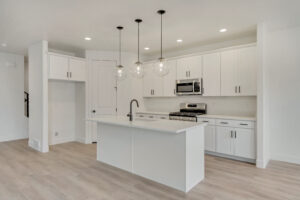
{"x":64,"y":23}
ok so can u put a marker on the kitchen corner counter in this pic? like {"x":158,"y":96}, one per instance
{"x":168,"y":126}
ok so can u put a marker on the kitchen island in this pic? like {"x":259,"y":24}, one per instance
{"x":165,"y":151}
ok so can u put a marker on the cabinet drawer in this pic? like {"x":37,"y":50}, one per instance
{"x":225,"y":122}
{"x":207,"y":120}
{"x":244,"y":124}
{"x":163,"y":117}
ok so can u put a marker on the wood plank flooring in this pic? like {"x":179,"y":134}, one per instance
{"x":70,"y":172}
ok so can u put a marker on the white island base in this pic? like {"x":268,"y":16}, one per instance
{"x":167,"y":152}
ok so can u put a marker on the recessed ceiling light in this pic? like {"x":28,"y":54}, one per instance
{"x":88,"y":38}
{"x":179,"y":40}
{"x":223,"y":30}
{"x":146,"y":48}
{"x":4,"y":45}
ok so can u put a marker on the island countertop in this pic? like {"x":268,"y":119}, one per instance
{"x":168,"y":126}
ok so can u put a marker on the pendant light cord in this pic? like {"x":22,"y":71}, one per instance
{"x":120,"y":57}
{"x":161,"y":36}
{"x":138,"y":42}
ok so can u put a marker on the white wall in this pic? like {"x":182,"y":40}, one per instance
{"x":38,"y":90}
{"x":62,"y":112}
{"x":13,"y":123}
{"x":282,"y":63}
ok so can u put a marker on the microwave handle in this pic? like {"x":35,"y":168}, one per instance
{"x":193,"y":86}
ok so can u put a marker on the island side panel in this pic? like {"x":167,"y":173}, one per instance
{"x":160,"y":156}
{"x":195,"y":169}
{"x":114,"y":146}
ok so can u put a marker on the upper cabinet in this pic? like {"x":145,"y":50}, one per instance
{"x":152,"y":84}
{"x":169,"y":81}
{"x":212,"y":74}
{"x":189,"y":68}
{"x":58,"y":67}
{"x":239,"y":72}
{"x":63,"y":67}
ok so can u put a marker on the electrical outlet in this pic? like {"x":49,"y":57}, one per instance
{"x":56,"y":134}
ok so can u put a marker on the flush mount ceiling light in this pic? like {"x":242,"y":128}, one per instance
{"x":120,"y":73}
{"x":146,"y":48}
{"x":179,"y":40}
{"x":137,"y":70}
{"x":4,"y":45}
{"x":88,"y":38}
{"x":161,"y":69}
{"x":223,"y":30}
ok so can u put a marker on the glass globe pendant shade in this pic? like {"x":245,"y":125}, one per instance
{"x":120,"y":73}
{"x":160,"y":68}
{"x":137,"y":70}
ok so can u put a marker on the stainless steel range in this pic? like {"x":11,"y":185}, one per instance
{"x":189,"y":112}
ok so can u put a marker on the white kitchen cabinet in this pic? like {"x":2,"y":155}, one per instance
{"x":189,"y":68}
{"x":244,"y":143}
{"x":247,"y":71}
{"x":77,"y":69}
{"x":169,"y":81}
{"x":152,"y":84}
{"x":229,"y":73}
{"x":224,"y":140}
{"x":58,"y":67}
{"x":212,"y":74}
{"x":238,"y":72}
{"x":210,"y":138}
{"x":62,"y":67}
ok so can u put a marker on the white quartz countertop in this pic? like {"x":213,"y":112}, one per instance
{"x":228,"y":117}
{"x":154,"y":125}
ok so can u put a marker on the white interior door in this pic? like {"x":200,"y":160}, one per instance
{"x":104,"y":93}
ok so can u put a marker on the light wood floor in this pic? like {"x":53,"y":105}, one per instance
{"x":71,"y":172}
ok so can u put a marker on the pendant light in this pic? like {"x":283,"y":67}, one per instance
{"x":161,"y":69}
{"x":120,"y":73}
{"x":137,"y":70}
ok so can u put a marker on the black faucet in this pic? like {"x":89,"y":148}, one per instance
{"x":130,"y":112}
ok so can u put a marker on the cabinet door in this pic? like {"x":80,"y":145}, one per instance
{"x":170,"y":79}
{"x":244,"y":143}
{"x":58,"y":67}
{"x":157,"y":85}
{"x":148,"y":80}
{"x":229,"y":73}
{"x":195,"y":67}
{"x":77,"y":69}
{"x":182,"y":68}
{"x":224,"y":140}
{"x":247,"y":71}
{"x":212,"y":74}
{"x":210,"y":138}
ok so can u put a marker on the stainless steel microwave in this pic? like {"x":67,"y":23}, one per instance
{"x":189,"y":87}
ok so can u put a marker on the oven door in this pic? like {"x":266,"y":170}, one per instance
{"x":188,"y":87}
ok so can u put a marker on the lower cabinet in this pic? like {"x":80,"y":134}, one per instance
{"x":230,"y":137}
{"x":236,"y":141}
{"x":210,"y":138}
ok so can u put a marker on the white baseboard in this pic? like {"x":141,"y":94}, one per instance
{"x":13,"y":138}
{"x":34,"y":145}
{"x":61,"y":140}
{"x":286,"y":158}
{"x":81,"y":140}
{"x":262,"y":163}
